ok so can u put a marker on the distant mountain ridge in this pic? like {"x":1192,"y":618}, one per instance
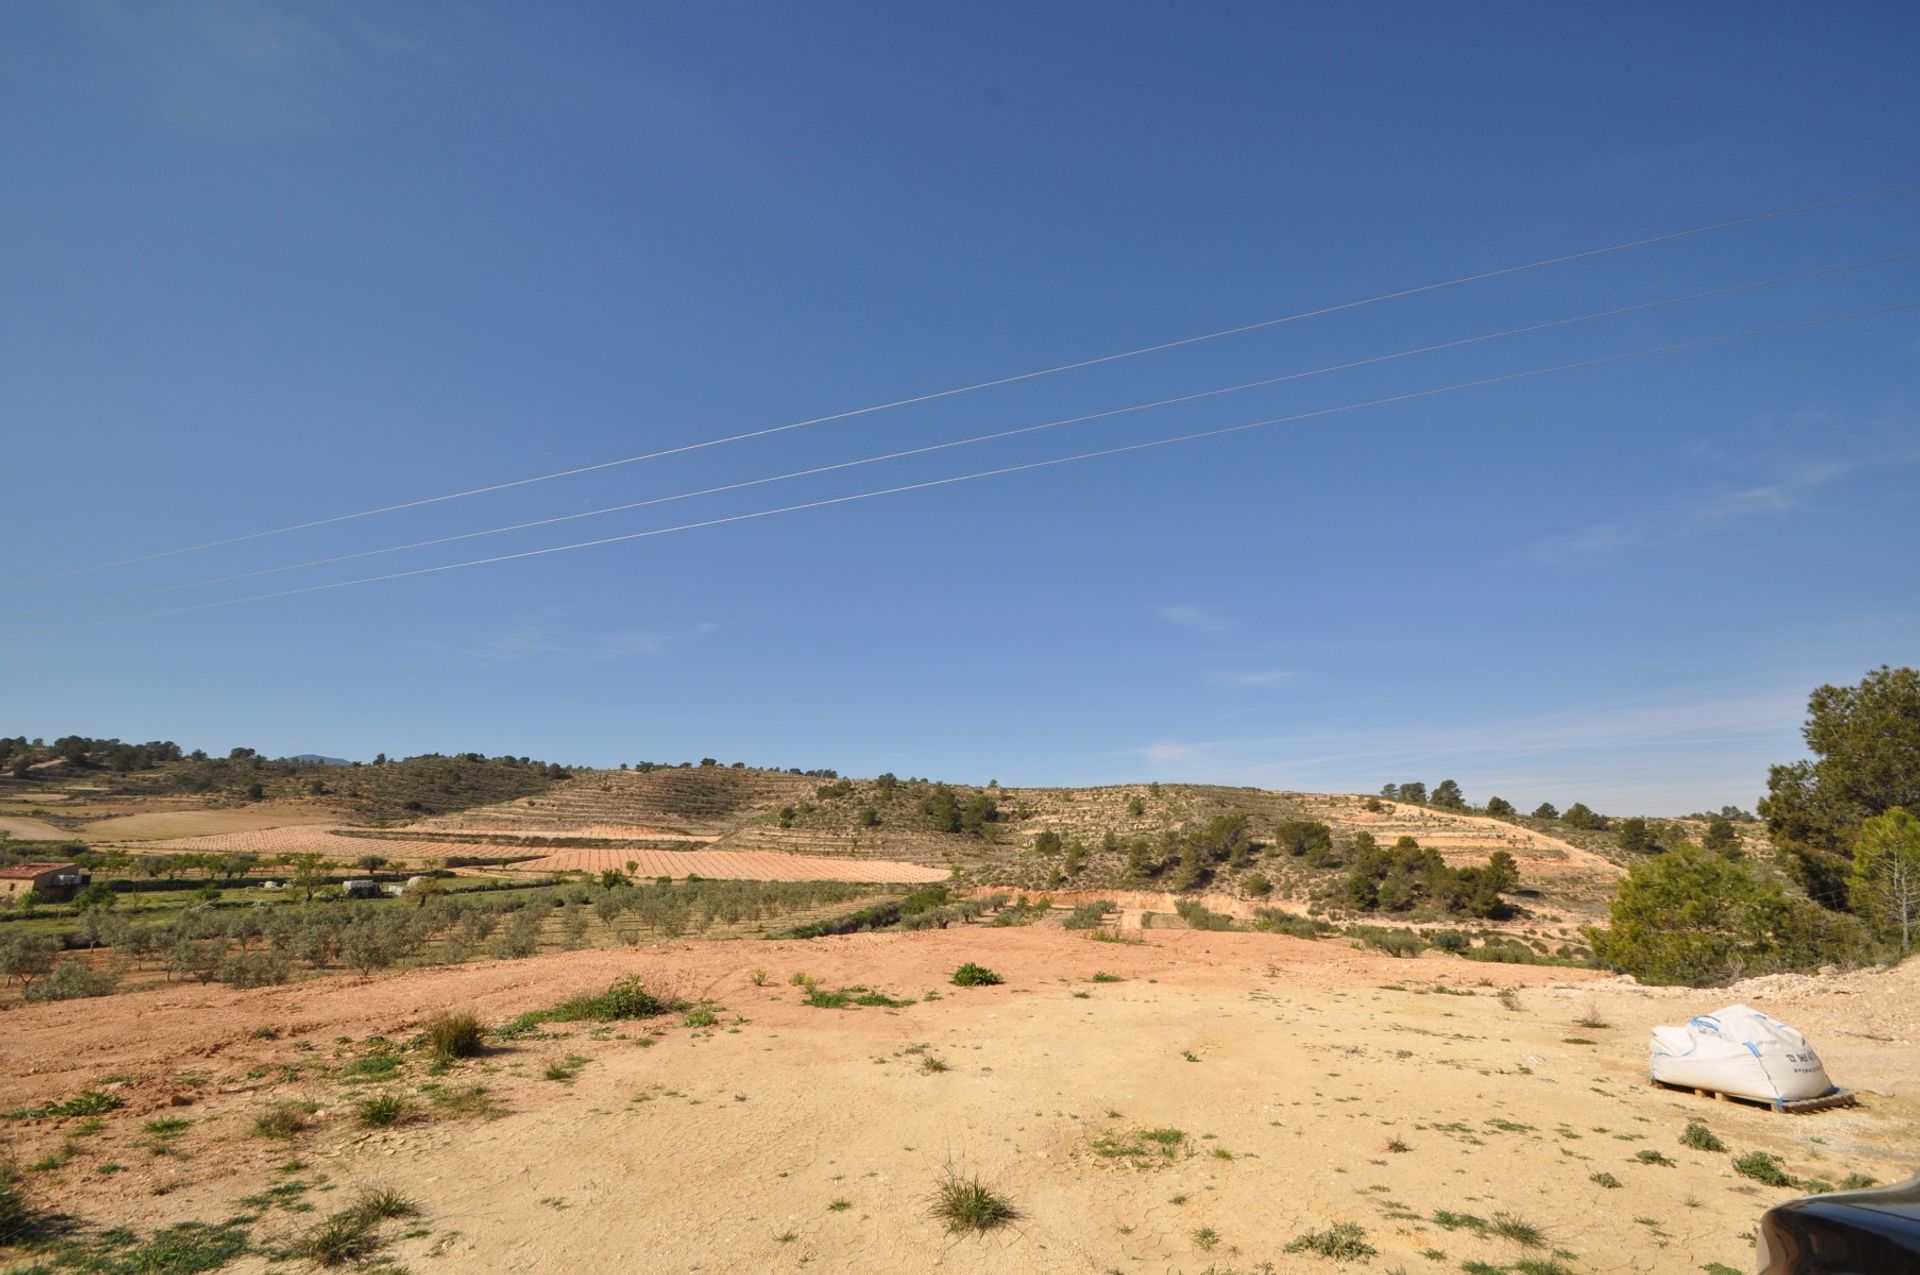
{"x":315,"y":759}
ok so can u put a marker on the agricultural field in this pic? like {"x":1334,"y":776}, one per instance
{"x":1188,"y":1102}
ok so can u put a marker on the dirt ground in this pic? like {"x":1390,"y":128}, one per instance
{"x":1314,"y":1084}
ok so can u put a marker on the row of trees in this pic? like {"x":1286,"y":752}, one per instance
{"x":1409,"y":877}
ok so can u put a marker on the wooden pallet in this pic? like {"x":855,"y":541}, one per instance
{"x":1787,"y":1106}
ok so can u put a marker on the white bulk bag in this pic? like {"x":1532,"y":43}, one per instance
{"x":1739,"y":1051}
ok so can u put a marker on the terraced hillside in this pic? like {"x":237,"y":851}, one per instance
{"x":1000,"y":836}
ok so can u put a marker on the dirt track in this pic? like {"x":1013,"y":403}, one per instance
{"x":724,"y":1149}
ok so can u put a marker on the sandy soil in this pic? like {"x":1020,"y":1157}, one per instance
{"x":733,"y":865}
{"x":1291,"y":1066}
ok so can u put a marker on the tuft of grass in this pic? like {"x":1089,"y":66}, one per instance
{"x":1205,"y":1238}
{"x":452,"y":1034}
{"x":283,"y":1120}
{"x":1541,"y":1266}
{"x":628,"y":998}
{"x":1510,"y":997}
{"x":933,"y":1063}
{"x":379,"y":1203}
{"x":969,"y":1207}
{"x":339,"y":1240}
{"x":1700,"y":1138}
{"x":1592,"y":1020}
{"x":1101,"y":976}
{"x":1650,"y":1156}
{"x":385,"y":1110}
{"x":1397,"y":1145}
{"x":839,"y":1206}
{"x":703,"y":1016}
{"x":760,"y":978}
{"x":466,"y":1101}
{"x":1856,"y":1182}
{"x":1606,"y":1180}
{"x":972,"y":975}
{"x":564,"y":1069}
{"x":1511,"y":1226}
{"x":1762,"y":1166}
{"x":1343,"y":1242}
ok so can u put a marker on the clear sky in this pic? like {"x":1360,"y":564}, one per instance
{"x":268,"y":263}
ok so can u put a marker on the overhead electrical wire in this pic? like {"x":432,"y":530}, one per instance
{"x":1002,"y":471}
{"x":1266,"y":382}
{"x":1136,"y":352}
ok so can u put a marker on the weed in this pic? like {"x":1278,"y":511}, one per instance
{"x":1343,"y":1241}
{"x":385,"y":1111}
{"x":972,"y":975}
{"x":379,"y":1203}
{"x":760,"y":978}
{"x":341,"y":1239}
{"x":1650,"y":1156}
{"x":1541,"y":1266}
{"x":1606,"y":1180}
{"x":1189,"y":1055}
{"x":475,"y":1101}
{"x":968,"y":1206}
{"x":1856,"y":1182}
{"x":449,"y":1035}
{"x":90,"y":1103}
{"x":1762,"y":1166}
{"x":1115,"y":936}
{"x":1510,"y":1226}
{"x":1101,"y":976}
{"x":564,"y":1069}
{"x":1460,"y":1221}
{"x":1141,"y":1147}
{"x":1510,"y":997}
{"x":701,"y":1017}
{"x":1700,"y":1138}
{"x":932,"y":1064}
{"x":1205,"y":1238}
{"x":1592,"y":1020}
{"x":839,"y":1206}
{"x":1397,"y":1145}
{"x":283,"y":1120}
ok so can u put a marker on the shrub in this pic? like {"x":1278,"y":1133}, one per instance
{"x":1697,"y":1136}
{"x":1257,"y":884}
{"x":1450,"y":941}
{"x":1606,"y":1180}
{"x":969,"y":1207}
{"x":450,"y":1035}
{"x":1399,"y":943}
{"x":972,"y":975}
{"x":1089,"y":916}
{"x":73,"y":980}
{"x":1762,"y":1166}
{"x":1343,"y":1241}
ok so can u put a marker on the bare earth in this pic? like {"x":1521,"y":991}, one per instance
{"x":1290,"y":1065}
{"x":733,"y":865}
{"x":203,"y":822}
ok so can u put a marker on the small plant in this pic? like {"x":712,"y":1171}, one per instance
{"x":1650,"y":1156}
{"x":969,"y":1207}
{"x":1762,"y":1166}
{"x":1101,"y":976}
{"x":1142,"y":1147}
{"x":1397,"y":1145}
{"x":1856,"y":1182}
{"x":933,"y":1064}
{"x":1700,"y":1138}
{"x":839,"y":1206}
{"x":283,"y":1120}
{"x":972,"y":975}
{"x":1592,"y":1020}
{"x":1343,"y":1242}
{"x":1510,"y":997}
{"x":1510,"y":1226}
{"x":564,"y":1069}
{"x":701,"y":1017}
{"x":1606,"y":1180}
{"x":760,"y":978}
{"x":380,"y":1203}
{"x":450,"y":1035}
{"x":1205,"y":1238}
{"x":385,"y":1111}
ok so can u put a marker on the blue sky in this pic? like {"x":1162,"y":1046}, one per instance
{"x":262,"y":264}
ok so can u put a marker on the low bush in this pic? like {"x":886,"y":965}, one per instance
{"x":1700,"y":1138}
{"x":1762,"y":1166}
{"x":972,"y":975}
{"x":1343,"y":1242}
{"x":454,"y":1034}
{"x":74,"y":979}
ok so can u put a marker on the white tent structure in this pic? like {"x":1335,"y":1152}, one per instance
{"x":1740,"y":1052}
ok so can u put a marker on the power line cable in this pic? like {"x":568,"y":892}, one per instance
{"x":1181,"y":342}
{"x":995,"y":436}
{"x":928,"y":484}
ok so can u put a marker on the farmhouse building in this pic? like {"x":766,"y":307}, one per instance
{"x":51,"y":882}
